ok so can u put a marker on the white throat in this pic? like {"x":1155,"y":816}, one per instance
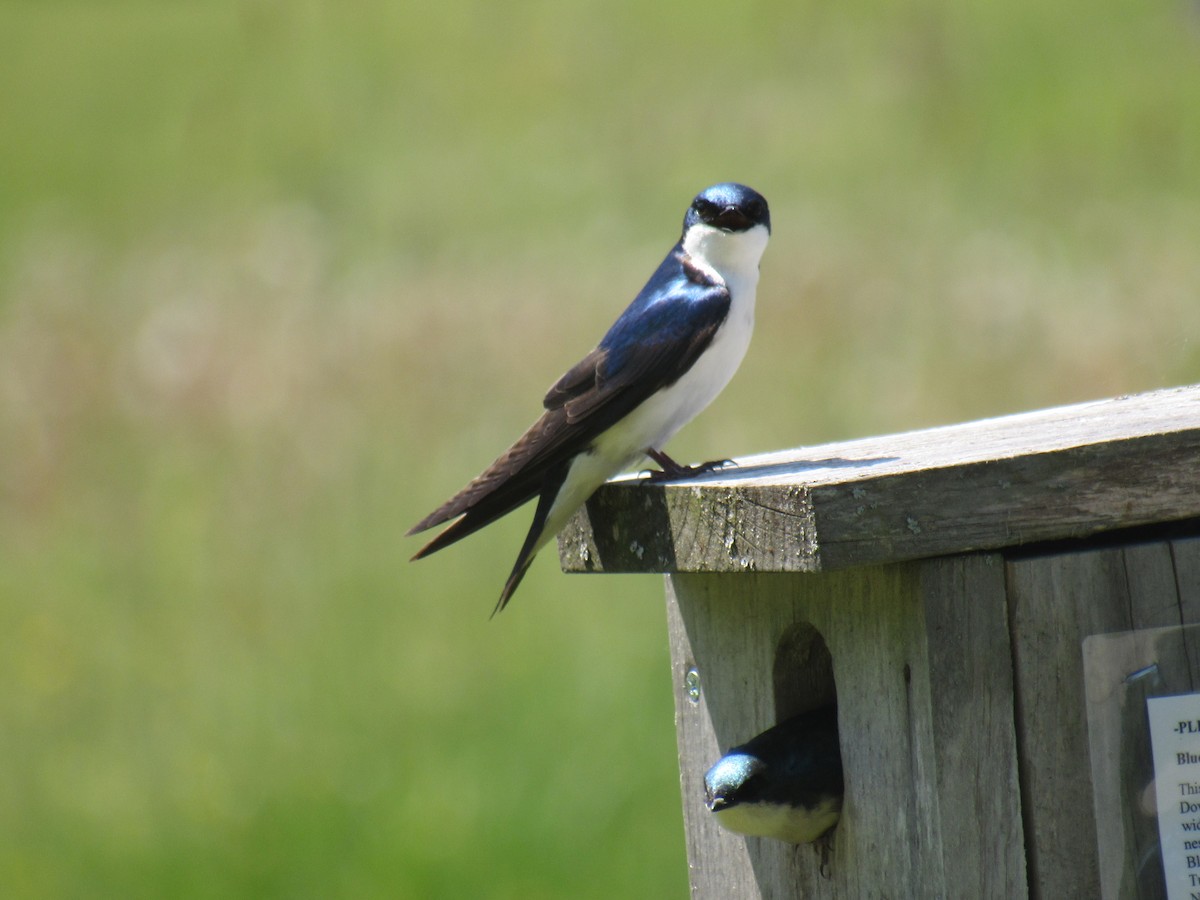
{"x":732,"y":256}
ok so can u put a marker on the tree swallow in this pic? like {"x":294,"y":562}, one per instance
{"x":784,"y":784}
{"x":665,"y":359}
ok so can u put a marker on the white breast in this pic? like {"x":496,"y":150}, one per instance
{"x":733,"y":260}
{"x":793,"y":824}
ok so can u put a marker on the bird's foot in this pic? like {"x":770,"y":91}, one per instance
{"x":673,"y":471}
{"x":824,"y":847}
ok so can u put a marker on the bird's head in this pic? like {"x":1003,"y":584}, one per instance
{"x":736,"y":778}
{"x":786,"y":783}
{"x":731,"y":207}
{"x":726,"y":229}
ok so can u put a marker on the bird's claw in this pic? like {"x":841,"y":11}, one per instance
{"x":824,"y":847}
{"x":655,"y":476}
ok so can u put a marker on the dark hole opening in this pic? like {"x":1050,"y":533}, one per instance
{"x":803,"y":673}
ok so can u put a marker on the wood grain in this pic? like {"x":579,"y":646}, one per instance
{"x":1081,"y":622}
{"x":924,"y":690}
{"x":1061,"y":473}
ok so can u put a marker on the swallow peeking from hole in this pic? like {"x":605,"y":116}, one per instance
{"x":786,"y":783}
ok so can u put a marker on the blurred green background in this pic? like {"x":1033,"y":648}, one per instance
{"x":277,"y":278}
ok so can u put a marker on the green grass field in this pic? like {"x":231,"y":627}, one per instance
{"x":276,"y":279}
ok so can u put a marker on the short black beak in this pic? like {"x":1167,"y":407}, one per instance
{"x":731,"y":218}
{"x":717,"y":803}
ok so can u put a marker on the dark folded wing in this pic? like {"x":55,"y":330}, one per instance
{"x":649,"y":348}
{"x":643,"y":354}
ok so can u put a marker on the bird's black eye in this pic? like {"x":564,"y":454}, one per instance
{"x":706,"y":208}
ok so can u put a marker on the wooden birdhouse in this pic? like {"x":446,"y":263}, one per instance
{"x":993,"y":605}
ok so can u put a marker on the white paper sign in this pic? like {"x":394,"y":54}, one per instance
{"x":1175,"y":738}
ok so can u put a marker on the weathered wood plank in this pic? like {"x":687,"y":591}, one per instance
{"x":920,"y":656}
{"x":1069,"y":770}
{"x":1059,"y":473}
{"x":1055,"y":602}
{"x":971,"y":695}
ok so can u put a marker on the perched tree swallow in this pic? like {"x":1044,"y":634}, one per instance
{"x":668,"y":355}
{"x":785,"y":784}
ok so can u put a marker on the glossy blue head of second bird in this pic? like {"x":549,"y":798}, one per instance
{"x":730,"y":207}
{"x":786,"y":783}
